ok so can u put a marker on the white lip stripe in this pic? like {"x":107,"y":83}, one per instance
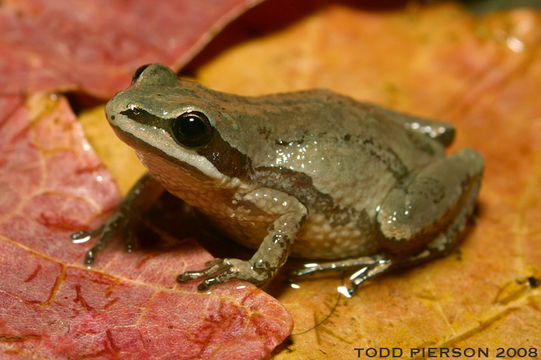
{"x":160,"y":139}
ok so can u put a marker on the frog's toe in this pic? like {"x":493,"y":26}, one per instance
{"x":106,"y":232}
{"x":367,"y":267}
{"x":106,"y":237}
{"x":215,"y":261}
{"x":220,"y":271}
{"x":366,"y":262}
{"x":85,"y":235}
{"x":235,"y":273}
{"x":368,"y":272}
{"x":212,"y":267}
{"x":350,"y":290}
{"x":218,"y":279}
{"x":81,"y":236}
{"x":129,"y":239}
{"x":89,"y":257}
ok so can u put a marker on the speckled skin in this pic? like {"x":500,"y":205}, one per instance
{"x":314,"y":174}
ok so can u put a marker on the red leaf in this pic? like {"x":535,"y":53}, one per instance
{"x":128,"y":306}
{"x":95,"y":45}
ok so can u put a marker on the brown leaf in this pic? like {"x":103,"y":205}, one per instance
{"x":483,"y":75}
{"x":95,"y":46}
{"x":128,"y":306}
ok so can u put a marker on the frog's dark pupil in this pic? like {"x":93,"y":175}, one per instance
{"x":192,"y":126}
{"x":192,"y":129}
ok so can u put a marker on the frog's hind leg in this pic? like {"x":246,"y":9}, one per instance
{"x":419,"y":222}
{"x":443,"y":243}
{"x":436,"y":200}
{"x":367,"y":268}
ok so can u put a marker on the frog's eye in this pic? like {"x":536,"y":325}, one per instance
{"x":192,"y":129}
{"x":138,"y":73}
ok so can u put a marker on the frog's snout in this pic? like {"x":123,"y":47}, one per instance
{"x":110,"y":114}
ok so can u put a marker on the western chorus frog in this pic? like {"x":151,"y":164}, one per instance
{"x":310,"y":174}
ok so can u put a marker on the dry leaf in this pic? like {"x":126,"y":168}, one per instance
{"x":95,"y":46}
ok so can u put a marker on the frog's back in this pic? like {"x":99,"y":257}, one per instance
{"x":338,"y":156}
{"x":349,"y":149}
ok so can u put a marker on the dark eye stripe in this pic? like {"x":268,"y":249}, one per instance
{"x":143,"y":117}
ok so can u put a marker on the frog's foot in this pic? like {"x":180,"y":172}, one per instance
{"x":218,"y":271}
{"x":367,"y":267}
{"x":119,"y":222}
{"x":145,"y":191}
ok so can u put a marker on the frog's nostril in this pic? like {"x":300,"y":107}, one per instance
{"x":138,"y":72}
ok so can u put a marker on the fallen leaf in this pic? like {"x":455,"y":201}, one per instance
{"x":128,"y":305}
{"x":95,"y":46}
{"x":119,"y":158}
{"x":483,"y":74}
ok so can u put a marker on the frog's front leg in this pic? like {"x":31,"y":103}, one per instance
{"x":273,"y":251}
{"x":123,"y":221}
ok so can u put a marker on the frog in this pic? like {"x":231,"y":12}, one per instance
{"x":312,"y":174}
